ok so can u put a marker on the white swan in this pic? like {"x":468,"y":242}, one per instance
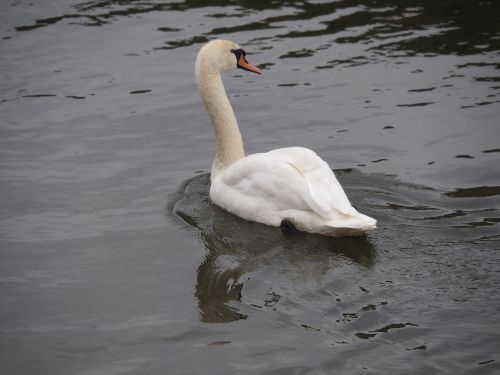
{"x":284,"y":186}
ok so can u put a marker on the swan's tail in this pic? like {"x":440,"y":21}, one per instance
{"x":354,"y":225}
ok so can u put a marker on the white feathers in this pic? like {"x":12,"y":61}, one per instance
{"x":289,"y":183}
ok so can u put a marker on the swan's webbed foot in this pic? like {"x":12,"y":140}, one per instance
{"x":287,"y":227}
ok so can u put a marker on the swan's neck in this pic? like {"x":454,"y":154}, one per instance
{"x":229,"y":141}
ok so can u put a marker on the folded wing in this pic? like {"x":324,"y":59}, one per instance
{"x":292,"y":178}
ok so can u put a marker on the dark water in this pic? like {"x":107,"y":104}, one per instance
{"x":113,"y":259}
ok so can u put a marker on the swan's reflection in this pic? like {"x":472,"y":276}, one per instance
{"x":236,"y":248}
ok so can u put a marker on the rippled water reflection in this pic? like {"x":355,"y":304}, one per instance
{"x":102,"y":128}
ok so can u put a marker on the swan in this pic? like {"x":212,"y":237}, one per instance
{"x":289,"y":187}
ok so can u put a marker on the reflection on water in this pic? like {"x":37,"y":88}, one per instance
{"x":482,"y":191}
{"x":444,"y":27}
{"x":326,"y":35}
{"x":239,"y":251}
{"x":236,"y":248}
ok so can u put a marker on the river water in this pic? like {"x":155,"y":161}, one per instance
{"x":113,"y":259}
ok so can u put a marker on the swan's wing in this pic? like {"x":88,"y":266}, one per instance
{"x":325,"y":194}
{"x":289,"y":178}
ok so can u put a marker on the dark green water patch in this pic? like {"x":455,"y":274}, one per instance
{"x":480,"y":191}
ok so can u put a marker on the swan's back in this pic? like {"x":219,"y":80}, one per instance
{"x":289,"y":183}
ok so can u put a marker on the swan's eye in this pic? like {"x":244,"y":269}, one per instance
{"x":238,"y":53}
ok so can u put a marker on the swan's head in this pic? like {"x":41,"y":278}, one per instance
{"x":223,"y":55}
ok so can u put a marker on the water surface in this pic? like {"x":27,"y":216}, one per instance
{"x":114,"y":260}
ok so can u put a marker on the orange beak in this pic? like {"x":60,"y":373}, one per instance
{"x":244,"y":64}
